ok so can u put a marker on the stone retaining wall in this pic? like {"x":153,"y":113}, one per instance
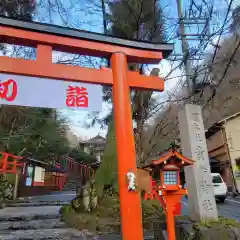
{"x":185,"y":230}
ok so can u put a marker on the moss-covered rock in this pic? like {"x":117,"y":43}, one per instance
{"x":218,"y":232}
{"x":223,"y":229}
{"x":86,"y":199}
{"x":105,"y":218}
{"x":66,"y":209}
{"x":6,"y":190}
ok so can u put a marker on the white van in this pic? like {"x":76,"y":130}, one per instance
{"x":219,"y":187}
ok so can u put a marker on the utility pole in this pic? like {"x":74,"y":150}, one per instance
{"x":185,"y":47}
{"x":104,"y":17}
{"x":192,"y":18}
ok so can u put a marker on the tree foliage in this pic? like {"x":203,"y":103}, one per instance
{"x":18,"y":9}
{"x":82,"y":157}
{"x":139,"y":20}
{"x":32,"y":131}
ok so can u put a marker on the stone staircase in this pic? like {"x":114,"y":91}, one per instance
{"x":38,"y":218}
{"x":27,"y":220}
{"x":72,"y":183}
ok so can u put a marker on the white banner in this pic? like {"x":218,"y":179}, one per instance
{"x":49,"y":93}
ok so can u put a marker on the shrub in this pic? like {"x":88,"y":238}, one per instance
{"x":66,"y":209}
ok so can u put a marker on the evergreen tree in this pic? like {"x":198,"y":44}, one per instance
{"x":21,"y":9}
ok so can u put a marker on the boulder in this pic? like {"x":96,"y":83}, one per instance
{"x":223,"y":229}
{"x":86,"y":199}
{"x":218,"y":232}
{"x":6,"y":190}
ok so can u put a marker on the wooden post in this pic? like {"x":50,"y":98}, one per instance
{"x":130,"y":205}
{"x":16,"y":186}
{"x":4,"y":162}
{"x":170,"y":223}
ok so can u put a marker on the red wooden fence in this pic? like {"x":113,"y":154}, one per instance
{"x":74,"y":167}
{"x":57,"y":180}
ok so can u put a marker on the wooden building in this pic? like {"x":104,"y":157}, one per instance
{"x":224,"y":149}
{"x":38,"y":178}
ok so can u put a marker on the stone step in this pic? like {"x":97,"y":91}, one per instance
{"x":116,"y":236}
{"x":74,"y":180}
{"x":29,"y":213}
{"x":69,"y":188}
{"x":34,"y":224}
{"x":28,"y":217}
{"x":36,"y":204}
{"x":47,"y":234}
{"x":72,"y":184}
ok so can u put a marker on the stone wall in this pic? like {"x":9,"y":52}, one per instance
{"x":186,"y":230}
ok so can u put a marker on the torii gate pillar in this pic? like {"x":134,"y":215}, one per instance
{"x":46,"y":38}
{"x":130,"y":204}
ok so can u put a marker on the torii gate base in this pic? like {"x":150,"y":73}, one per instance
{"x":47,"y":38}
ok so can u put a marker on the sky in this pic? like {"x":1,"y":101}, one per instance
{"x":85,"y":16}
{"x":94,"y":24}
{"x":79,"y":118}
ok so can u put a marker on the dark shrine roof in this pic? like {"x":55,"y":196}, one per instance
{"x":95,"y":140}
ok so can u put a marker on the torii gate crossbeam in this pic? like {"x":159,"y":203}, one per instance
{"x":46,"y":38}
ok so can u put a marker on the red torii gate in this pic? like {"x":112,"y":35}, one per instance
{"x":46,"y":38}
{"x":9,"y":163}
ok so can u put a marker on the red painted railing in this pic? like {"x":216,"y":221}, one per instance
{"x":60,"y":179}
{"x":74,"y":167}
{"x":56,"y":180}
